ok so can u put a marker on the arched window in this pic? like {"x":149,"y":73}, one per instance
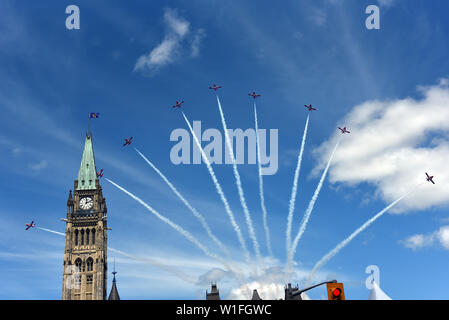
{"x":78,"y":264}
{"x":90,"y":264}
{"x":76,"y":237}
{"x":82,"y":237}
{"x":93,"y":236}
{"x":87,"y":236}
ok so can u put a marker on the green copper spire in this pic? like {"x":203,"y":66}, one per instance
{"x":88,"y":172}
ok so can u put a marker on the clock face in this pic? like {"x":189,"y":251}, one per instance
{"x":86,"y":203}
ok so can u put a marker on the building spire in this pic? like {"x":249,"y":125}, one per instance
{"x":88,"y":172}
{"x":114,"y":273}
{"x":113,"y":295}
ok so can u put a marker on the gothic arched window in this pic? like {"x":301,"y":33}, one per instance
{"x":82,"y":237}
{"x":76,"y":237}
{"x":93,"y":236}
{"x":78,"y":264}
{"x":87,"y":236}
{"x":90,"y":264}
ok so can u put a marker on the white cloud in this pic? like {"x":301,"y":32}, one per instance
{"x":170,"y":49}
{"x":195,"y":46}
{"x":39,"y":166}
{"x":386,"y":3}
{"x":419,"y":241}
{"x":391,"y":145}
{"x":443,"y":236}
{"x":176,"y":23}
{"x":158,"y":57}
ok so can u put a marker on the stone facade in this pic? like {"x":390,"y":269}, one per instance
{"x":85,"y":254}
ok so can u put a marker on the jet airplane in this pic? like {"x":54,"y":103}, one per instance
{"x":429,"y":178}
{"x":215,"y":87}
{"x":343,"y":131}
{"x":128,"y":141}
{"x":254,"y":94}
{"x":30,"y":225}
{"x":178,"y":104}
{"x":309,"y":107}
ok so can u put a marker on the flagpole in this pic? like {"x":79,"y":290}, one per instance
{"x":88,"y":125}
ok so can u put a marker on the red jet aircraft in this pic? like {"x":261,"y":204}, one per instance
{"x":215,"y":87}
{"x":309,"y":107}
{"x":178,"y":104}
{"x":254,"y":94}
{"x":30,"y":225}
{"x":100,"y":174}
{"x":343,"y":131}
{"x":429,"y":178}
{"x":128,"y":141}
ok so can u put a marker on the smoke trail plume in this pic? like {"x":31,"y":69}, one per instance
{"x":220,"y":193}
{"x":175,"y":271}
{"x":345,"y":242}
{"x":52,"y":231}
{"x":261,"y":193}
{"x":238,"y":182}
{"x":291,"y":208}
{"x":189,"y":206}
{"x":178,"y":228}
{"x":155,"y":263}
{"x":309,"y":211}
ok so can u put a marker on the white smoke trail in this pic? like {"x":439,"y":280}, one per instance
{"x":308,"y":212}
{"x":178,"y":228}
{"x":345,"y":242}
{"x":175,"y":271}
{"x":220,"y":193}
{"x":52,"y":231}
{"x":238,"y":182}
{"x":153,"y":262}
{"x":261,"y":193}
{"x":291,"y":208}
{"x":189,"y":206}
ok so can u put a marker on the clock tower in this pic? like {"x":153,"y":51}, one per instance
{"x":85,"y":254}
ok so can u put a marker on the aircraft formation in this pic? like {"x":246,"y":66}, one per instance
{"x":255,"y":95}
{"x":215,"y":87}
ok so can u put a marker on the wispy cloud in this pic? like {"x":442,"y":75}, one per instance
{"x":170,"y":49}
{"x":195,"y":46}
{"x":318,"y":16}
{"x":419,"y":241}
{"x":386,"y":3}
{"x":39,"y":165}
{"x":391,"y":145}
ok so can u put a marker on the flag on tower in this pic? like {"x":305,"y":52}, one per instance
{"x":94,"y":115}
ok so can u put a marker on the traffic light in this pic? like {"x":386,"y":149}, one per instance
{"x":335,"y":291}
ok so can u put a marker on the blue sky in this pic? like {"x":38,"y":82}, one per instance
{"x":389,"y":86}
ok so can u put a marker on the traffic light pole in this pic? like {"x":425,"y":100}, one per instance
{"x":298,"y":293}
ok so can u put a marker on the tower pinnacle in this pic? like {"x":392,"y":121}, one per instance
{"x":113,"y":295}
{"x":88,"y":172}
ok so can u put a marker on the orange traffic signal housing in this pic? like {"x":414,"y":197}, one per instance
{"x":335,"y":291}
